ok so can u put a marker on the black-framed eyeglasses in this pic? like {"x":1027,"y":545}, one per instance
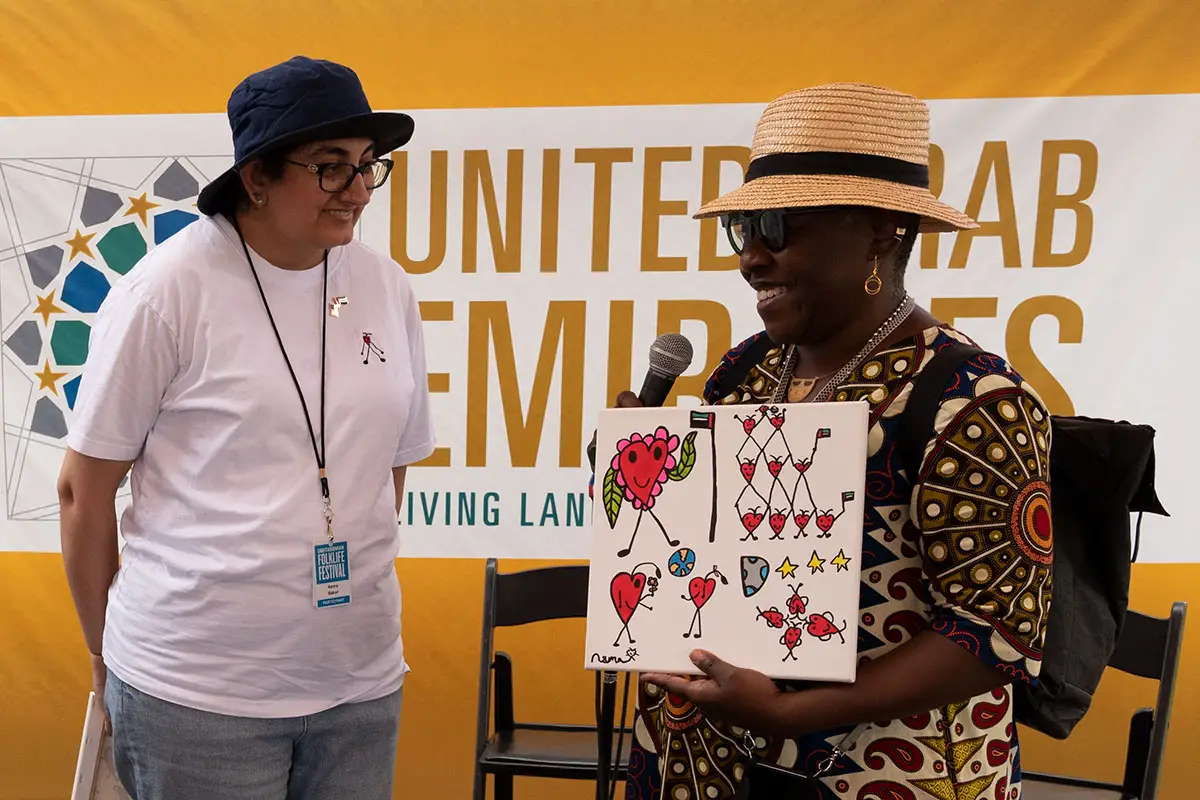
{"x":769,"y":226}
{"x":335,"y":177}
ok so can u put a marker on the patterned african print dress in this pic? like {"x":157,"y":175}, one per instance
{"x":965,"y":552}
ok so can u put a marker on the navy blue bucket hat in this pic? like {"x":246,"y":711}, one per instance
{"x":299,"y":101}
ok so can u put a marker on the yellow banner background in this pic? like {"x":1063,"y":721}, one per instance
{"x":123,"y":57}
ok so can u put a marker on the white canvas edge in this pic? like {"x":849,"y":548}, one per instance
{"x":90,"y":745}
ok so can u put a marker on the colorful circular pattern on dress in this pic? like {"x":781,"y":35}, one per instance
{"x":680,"y":714}
{"x":1030,"y":523}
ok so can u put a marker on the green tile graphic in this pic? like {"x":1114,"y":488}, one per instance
{"x":69,"y":342}
{"x":122,"y":247}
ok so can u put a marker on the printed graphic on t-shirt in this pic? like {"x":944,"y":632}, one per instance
{"x":369,"y":348}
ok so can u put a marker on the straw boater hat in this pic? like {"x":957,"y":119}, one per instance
{"x":842,"y":144}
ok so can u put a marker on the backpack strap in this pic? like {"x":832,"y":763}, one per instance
{"x":916,"y":421}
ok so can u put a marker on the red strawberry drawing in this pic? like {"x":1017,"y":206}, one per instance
{"x":822,"y":627}
{"x":777,"y":422}
{"x":802,"y":465}
{"x":802,"y":518}
{"x":796,"y":604}
{"x":825,"y":522}
{"x":773,"y":617}
{"x":777,"y":521}
{"x":748,"y":468}
{"x":791,"y":637}
{"x":791,"y":640}
{"x":751,"y":520}
{"x":748,"y":424}
{"x":774,"y":467}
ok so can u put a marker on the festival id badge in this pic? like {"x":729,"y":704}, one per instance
{"x":331,"y":574}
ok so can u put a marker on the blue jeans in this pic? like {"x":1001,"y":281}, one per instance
{"x":165,"y":751}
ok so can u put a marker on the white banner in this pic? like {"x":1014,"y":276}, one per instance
{"x":550,"y":246}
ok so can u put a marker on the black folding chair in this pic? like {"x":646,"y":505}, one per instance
{"x":546,"y":750}
{"x":1148,"y":647}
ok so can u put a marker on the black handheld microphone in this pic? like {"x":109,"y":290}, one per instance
{"x":670,"y":356}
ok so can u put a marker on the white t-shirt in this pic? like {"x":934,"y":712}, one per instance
{"x":213,"y":605}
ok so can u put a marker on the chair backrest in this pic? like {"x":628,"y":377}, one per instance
{"x":521,"y":598}
{"x":532,"y":595}
{"x":1149,"y":647}
{"x":535,"y":595}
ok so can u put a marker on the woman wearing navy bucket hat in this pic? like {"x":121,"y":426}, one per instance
{"x":264,"y":375}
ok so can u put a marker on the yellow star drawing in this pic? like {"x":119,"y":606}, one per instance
{"x":79,"y":244}
{"x":139,"y":206}
{"x":841,"y":561}
{"x":816,"y":563}
{"x":46,"y":307}
{"x":49,"y":379}
{"x":787,"y":569}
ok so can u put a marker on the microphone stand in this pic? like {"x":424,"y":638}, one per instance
{"x":605,"y":716}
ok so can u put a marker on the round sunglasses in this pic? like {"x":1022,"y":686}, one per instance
{"x":769,"y":226}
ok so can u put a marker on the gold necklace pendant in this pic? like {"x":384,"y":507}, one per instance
{"x":800,"y":388}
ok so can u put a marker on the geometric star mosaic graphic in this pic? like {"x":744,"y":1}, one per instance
{"x":71,"y":229}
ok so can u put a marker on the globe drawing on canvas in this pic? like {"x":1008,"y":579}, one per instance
{"x":70,"y":229}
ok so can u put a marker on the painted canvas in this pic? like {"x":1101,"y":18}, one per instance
{"x":95,"y":775}
{"x":733,"y":528}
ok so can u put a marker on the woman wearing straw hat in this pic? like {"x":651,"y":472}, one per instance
{"x":264,"y":375}
{"x":952,"y":611}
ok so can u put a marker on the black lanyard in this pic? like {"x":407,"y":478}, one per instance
{"x":319,"y":452}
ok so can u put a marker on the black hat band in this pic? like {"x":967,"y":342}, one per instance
{"x":862,"y":165}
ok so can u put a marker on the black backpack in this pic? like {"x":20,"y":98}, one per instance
{"x":1100,"y":472}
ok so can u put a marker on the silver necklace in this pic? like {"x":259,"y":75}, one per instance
{"x":894,"y":320}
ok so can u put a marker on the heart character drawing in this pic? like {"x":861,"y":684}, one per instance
{"x":791,"y":640}
{"x":822,"y":626}
{"x":626,"y":591}
{"x":799,"y":622}
{"x":773,"y":616}
{"x":777,"y":520}
{"x":825,"y":519}
{"x":796,"y":604}
{"x":640,"y":468}
{"x":802,"y":517}
{"x":750,"y":521}
{"x":700,"y":590}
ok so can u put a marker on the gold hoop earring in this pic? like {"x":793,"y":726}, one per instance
{"x":873,"y":285}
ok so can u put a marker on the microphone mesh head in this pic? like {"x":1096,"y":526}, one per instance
{"x":671,"y":354}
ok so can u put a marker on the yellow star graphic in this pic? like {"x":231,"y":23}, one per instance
{"x":46,"y":307}
{"x":48,"y":379}
{"x":79,"y":244}
{"x":787,"y":569}
{"x":139,"y":206}
{"x":841,"y":561}
{"x":816,"y":563}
